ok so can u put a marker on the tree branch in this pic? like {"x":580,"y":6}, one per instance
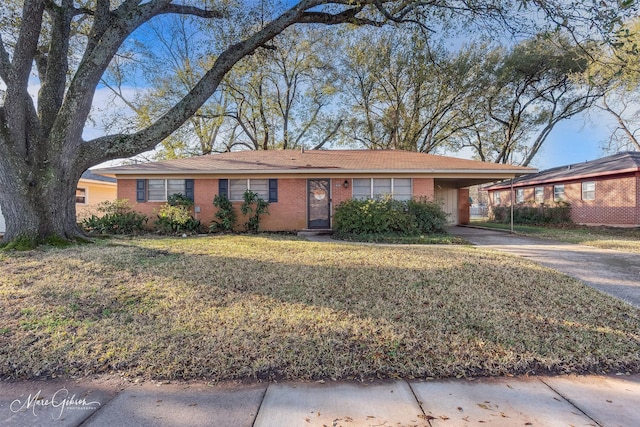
{"x":6,"y":68}
{"x":329,"y":135}
{"x":22,"y":120}
{"x":346,"y":17}
{"x":192,"y":10}
{"x":57,"y":65}
{"x":27,"y":43}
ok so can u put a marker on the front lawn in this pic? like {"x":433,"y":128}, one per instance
{"x":622,"y":239}
{"x":269,"y":307}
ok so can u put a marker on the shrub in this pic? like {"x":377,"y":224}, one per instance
{"x":428,"y":215}
{"x":389,"y":217}
{"x":179,"y":200}
{"x":226,"y":215}
{"x":117,"y":217}
{"x":253,"y":204}
{"x":558,"y":213}
{"x":176,"y":219}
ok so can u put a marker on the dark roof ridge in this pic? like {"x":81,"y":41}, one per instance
{"x":608,"y":165}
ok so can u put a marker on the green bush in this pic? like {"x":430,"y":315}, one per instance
{"x":558,"y":213}
{"x":176,"y":219}
{"x":253,"y":204}
{"x":428,"y":216}
{"x":225,"y":214}
{"x":117,"y":217}
{"x":179,"y":200}
{"x":389,"y":217}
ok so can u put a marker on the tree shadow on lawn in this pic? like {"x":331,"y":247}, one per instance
{"x":322,"y":311}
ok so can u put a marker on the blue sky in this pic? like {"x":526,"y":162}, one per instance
{"x":573,"y":141}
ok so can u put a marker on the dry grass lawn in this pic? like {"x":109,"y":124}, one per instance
{"x":269,"y":307}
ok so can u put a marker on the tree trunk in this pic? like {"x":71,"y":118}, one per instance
{"x":38,"y":203}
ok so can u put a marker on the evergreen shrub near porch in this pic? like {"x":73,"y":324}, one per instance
{"x":389,"y":217}
{"x":558,"y":213}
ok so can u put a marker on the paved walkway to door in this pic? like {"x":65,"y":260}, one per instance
{"x":613,"y":272}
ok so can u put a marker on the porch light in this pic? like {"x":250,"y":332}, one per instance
{"x":345,"y":184}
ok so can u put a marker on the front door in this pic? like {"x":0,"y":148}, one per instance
{"x":319,"y":199}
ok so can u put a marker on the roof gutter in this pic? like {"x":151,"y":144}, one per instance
{"x":314,"y":171}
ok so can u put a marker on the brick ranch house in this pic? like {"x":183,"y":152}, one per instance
{"x":601,"y":192}
{"x":304,"y":187}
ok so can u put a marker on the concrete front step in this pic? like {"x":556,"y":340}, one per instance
{"x":308,"y":232}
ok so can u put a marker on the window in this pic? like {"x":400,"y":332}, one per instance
{"x":81,"y":196}
{"x":402,"y":189}
{"x":237,"y":187}
{"x":381,"y":187}
{"x":589,"y":190}
{"x":377,"y":188}
{"x":496,"y":198}
{"x":520,"y":195}
{"x":539,"y":194}
{"x":558,"y":193}
{"x":362,"y":189}
{"x":158,"y":190}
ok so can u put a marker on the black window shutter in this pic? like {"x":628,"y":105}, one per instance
{"x":189,"y":189}
{"x":273,"y":190}
{"x":223,"y":187}
{"x":141,"y":190}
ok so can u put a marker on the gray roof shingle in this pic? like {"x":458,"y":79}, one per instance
{"x":628,"y":161}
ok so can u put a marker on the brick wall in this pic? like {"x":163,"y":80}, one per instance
{"x":339,"y":193}
{"x":289,"y":213}
{"x":617,"y":200}
{"x":424,"y":187}
{"x":637,"y":198}
{"x":505,"y":197}
{"x":463,"y":206}
{"x":127,"y":190}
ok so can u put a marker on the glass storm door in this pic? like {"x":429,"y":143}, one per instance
{"x":318,"y":203}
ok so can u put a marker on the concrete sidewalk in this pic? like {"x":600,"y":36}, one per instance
{"x":523,"y":401}
{"x":613,"y":272}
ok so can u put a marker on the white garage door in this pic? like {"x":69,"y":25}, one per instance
{"x":449,"y":199}
{"x":2,"y":226}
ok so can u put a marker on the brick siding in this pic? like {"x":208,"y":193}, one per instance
{"x":424,"y":187}
{"x":463,"y":206}
{"x":289,"y":213}
{"x":617,"y":200}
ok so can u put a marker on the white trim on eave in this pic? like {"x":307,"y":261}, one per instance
{"x":317,"y":171}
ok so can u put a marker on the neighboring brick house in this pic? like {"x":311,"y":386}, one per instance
{"x":601,"y":192}
{"x":304,"y":187}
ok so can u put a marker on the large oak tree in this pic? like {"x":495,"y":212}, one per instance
{"x":67,"y":45}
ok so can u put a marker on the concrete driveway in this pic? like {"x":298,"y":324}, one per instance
{"x":612,"y":272}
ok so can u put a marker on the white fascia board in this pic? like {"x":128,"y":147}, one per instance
{"x":319,"y":171}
